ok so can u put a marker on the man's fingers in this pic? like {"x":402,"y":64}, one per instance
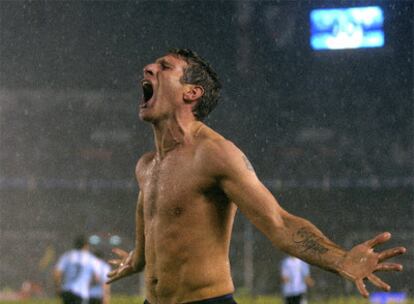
{"x":389,"y":253}
{"x":379,"y":239}
{"x":120,"y":252}
{"x":112,"y":273}
{"x":362,"y":288}
{"x":389,"y":267}
{"x":378,"y":282}
{"x":115,"y":262}
{"x":113,"y":276}
{"x":111,"y":280}
{"x":119,"y":273}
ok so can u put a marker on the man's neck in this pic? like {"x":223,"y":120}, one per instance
{"x":171,"y":133}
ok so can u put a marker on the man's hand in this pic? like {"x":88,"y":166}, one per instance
{"x":361,"y":262}
{"x":124,"y":265}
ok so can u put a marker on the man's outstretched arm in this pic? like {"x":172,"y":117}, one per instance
{"x":294,"y":235}
{"x":132,"y":262}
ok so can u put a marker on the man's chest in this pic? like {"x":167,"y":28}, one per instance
{"x":172,"y":184}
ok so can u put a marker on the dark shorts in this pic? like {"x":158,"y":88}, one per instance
{"x":95,"y":301}
{"x":70,"y":298}
{"x":227,"y":299}
{"x":294,"y":299}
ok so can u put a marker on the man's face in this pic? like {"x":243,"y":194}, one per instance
{"x":162,"y":88}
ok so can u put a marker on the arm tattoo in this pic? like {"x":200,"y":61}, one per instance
{"x":248,"y":163}
{"x":309,"y":241}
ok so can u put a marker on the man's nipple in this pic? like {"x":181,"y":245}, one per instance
{"x":177,"y":211}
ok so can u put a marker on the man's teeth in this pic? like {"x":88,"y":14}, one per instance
{"x":146,"y":82}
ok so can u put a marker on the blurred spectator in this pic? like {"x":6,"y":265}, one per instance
{"x":100,"y":292}
{"x":296,"y":279}
{"x":30,"y":290}
{"x":74,"y":273}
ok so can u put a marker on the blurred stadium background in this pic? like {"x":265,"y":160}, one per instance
{"x":329,"y":132}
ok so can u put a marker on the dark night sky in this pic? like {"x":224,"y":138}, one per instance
{"x":103,"y":46}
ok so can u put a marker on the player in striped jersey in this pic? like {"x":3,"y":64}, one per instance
{"x":100,"y":292}
{"x":74,"y":273}
{"x":296,"y":279}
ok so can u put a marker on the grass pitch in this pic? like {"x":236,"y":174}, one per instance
{"x":239,"y":299}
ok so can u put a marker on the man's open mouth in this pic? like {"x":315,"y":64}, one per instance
{"x":147,"y":91}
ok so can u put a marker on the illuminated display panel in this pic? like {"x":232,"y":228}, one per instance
{"x":347,"y":28}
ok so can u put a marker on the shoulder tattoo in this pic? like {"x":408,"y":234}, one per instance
{"x":248,"y":163}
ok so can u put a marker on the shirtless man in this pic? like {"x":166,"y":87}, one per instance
{"x":190,"y":188}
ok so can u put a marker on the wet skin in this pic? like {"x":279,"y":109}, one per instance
{"x":188,"y":221}
{"x":189,"y":189}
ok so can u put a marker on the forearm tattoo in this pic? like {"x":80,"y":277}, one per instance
{"x":309,"y":241}
{"x":248,"y":163}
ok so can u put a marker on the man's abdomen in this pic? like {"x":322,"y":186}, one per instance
{"x":185,"y":263}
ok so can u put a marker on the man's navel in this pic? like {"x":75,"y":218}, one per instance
{"x":154,"y":281}
{"x":177,"y":211}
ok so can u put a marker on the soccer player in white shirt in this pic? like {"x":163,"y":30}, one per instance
{"x":100,"y":292}
{"x":74,"y":273}
{"x":295,"y":280}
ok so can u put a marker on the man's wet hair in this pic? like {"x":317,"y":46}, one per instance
{"x":200,"y":72}
{"x":80,"y":242}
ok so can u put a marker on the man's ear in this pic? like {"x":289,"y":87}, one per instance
{"x":193,"y":93}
